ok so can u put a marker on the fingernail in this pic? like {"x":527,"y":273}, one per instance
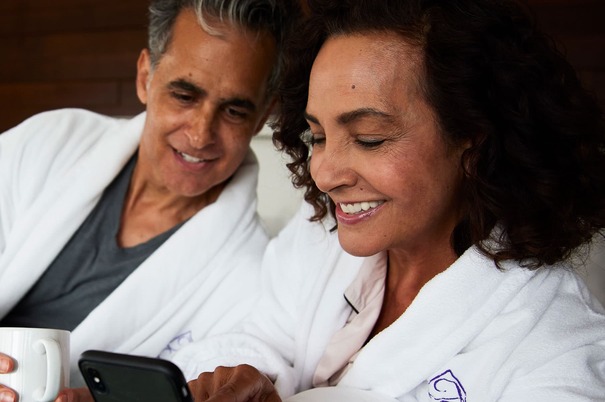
{"x":4,"y":367}
{"x":7,"y":396}
{"x":62,"y":397}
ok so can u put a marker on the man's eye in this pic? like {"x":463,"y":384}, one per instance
{"x":236,"y":113}
{"x":183,"y":97}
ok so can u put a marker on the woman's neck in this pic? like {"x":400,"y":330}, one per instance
{"x":406,"y":275}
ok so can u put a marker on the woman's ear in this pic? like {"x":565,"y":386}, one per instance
{"x":470,"y":152}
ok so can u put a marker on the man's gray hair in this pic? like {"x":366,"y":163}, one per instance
{"x":257,"y":16}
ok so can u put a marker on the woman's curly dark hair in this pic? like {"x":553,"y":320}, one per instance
{"x":536,"y":168}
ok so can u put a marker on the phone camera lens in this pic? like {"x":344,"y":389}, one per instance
{"x":97,"y":381}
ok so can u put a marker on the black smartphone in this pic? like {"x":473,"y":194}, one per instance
{"x":112,"y":377}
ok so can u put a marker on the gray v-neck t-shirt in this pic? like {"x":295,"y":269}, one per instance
{"x":89,"y":268}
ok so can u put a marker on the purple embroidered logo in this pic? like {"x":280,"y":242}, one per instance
{"x":175,"y":344}
{"x":446,"y":388}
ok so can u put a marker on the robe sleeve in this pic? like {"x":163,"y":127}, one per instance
{"x":270,"y":339}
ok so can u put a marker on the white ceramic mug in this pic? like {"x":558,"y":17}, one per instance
{"x":41,"y":358}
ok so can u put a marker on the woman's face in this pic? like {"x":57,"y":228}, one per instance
{"x":377,"y":151}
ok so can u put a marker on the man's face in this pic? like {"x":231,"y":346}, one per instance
{"x":205,"y":100}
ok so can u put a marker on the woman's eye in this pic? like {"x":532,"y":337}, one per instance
{"x":310,"y":138}
{"x":317,"y":140}
{"x":369,"y":143}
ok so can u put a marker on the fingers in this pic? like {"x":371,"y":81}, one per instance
{"x":7,"y":394}
{"x":7,"y":364}
{"x":74,"y":395}
{"x":243,"y":383}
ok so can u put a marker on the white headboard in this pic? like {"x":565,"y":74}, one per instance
{"x":278,"y":200}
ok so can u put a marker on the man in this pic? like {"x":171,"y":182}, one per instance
{"x":141,"y":236}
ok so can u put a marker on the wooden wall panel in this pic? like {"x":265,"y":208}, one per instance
{"x":19,"y":17}
{"x":578,"y":27}
{"x":71,"y":56}
{"x":50,"y":95}
{"x":564,"y":17}
{"x":82,"y":53}
{"x":69,"y":53}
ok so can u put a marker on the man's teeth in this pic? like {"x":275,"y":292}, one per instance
{"x":357,"y":207}
{"x":190,"y":159}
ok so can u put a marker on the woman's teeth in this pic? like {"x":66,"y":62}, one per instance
{"x":190,"y":159}
{"x":358,"y":207}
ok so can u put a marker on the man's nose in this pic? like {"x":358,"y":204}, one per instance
{"x":201,"y":130}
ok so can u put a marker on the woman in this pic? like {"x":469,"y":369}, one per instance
{"x":463,"y":163}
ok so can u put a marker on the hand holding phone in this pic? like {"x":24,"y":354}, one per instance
{"x":113,"y":377}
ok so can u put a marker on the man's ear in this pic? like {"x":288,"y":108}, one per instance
{"x":268,"y":111}
{"x":143,"y":75}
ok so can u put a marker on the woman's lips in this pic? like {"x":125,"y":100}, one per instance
{"x":355,"y":212}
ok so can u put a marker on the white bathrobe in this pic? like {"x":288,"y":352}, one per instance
{"x":201,"y":281}
{"x":473,"y":333}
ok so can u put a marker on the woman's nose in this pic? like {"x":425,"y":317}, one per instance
{"x":331,"y":169}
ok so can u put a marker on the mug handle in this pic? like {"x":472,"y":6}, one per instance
{"x":51,"y":348}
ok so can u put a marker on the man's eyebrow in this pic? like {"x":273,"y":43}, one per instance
{"x":240,"y":102}
{"x":183,"y":84}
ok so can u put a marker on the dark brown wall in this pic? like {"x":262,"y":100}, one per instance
{"x":69,"y":53}
{"x":82,"y":53}
{"x":579,"y":28}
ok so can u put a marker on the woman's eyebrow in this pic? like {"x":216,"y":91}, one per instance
{"x":354,"y":115}
{"x":310,"y":118}
{"x":357,"y":114}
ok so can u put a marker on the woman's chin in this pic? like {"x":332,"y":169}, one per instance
{"x":358,"y":246}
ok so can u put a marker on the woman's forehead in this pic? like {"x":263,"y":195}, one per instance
{"x":375,"y":69}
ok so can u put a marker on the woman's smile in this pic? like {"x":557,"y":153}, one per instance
{"x":357,"y":207}
{"x":357,"y":212}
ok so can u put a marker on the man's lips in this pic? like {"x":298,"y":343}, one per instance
{"x":193,"y":159}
